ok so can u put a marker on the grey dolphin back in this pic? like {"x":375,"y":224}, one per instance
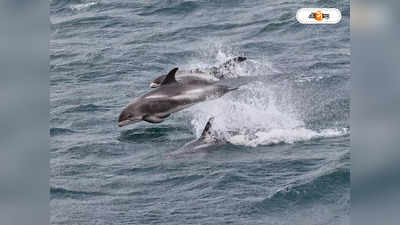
{"x":170,"y":78}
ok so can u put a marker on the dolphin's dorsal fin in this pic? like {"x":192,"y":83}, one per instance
{"x":207,"y":129}
{"x":170,"y":78}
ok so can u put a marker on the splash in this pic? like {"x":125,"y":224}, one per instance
{"x":252,"y":115}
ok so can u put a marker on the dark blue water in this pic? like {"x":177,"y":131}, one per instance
{"x":289,"y":157}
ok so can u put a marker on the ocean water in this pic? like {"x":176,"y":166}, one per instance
{"x":288,"y":161}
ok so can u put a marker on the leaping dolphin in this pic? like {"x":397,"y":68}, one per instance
{"x":210,"y":75}
{"x":172,"y":96}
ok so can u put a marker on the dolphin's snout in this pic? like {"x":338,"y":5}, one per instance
{"x":124,"y":118}
{"x":123,"y":123}
{"x":128,"y":122}
{"x":127,"y":117}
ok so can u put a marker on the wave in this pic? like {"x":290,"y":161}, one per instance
{"x":98,"y":150}
{"x":62,"y":193}
{"x":142,"y":135}
{"x":54,"y":131}
{"x":177,"y":9}
{"x":328,"y":188}
{"x":86,"y":108}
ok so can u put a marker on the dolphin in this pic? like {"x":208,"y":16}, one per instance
{"x":210,"y":75}
{"x":208,"y":141}
{"x":172,"y":96}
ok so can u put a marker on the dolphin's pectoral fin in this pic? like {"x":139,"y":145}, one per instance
{"x":170,"y":78}
{"x":163,"y":117}
{"x":152,"y":119}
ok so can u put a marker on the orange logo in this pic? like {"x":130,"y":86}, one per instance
{"x":318,"y":16}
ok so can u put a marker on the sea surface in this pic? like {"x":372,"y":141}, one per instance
{"x":288,"y":157}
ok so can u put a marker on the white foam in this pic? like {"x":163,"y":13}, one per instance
{"x":289,"y":136}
